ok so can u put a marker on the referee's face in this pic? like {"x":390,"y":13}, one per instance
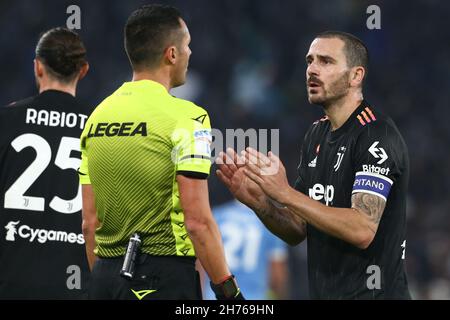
{"x":327,"y":74}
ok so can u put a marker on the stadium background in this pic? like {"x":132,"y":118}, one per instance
{"x":248,"y":70}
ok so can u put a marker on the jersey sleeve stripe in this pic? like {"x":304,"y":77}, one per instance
{"x":366,"y":117}
{"x":370,"y":113}
{"x":195,"y":156}
{"x":360,"y":120}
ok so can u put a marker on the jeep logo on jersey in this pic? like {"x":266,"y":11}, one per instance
{"x":378,"y":152}
{"x":125,"y":129}
{"x":319,"y":192}
{"x":40,"y":235}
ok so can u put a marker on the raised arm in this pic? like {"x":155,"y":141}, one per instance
{"x":356,"y":225}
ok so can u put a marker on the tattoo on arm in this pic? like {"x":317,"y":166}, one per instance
{"x":370,"y":204}
{"x":281,"y":217}
{"x":269,"y":214}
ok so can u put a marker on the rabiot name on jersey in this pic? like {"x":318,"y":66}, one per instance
{"x":55,"y":118}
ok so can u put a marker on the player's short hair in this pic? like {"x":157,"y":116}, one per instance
{"x":148,"y":32}
{"x":355,"y":50}
{"x":62,"y":52}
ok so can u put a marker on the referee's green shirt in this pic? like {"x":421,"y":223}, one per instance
{"x":133,"y":145}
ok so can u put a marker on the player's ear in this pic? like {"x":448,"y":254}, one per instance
{"x":83,"y":71}
{"x":38,"y":68}
{"x":170,"y":54}
{"x":357,"y":76}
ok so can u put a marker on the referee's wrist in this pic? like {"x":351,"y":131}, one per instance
{"x":223,"y":279}
{"x":226,"y":289}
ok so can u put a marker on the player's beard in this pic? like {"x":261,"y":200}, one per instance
{"x":335,"y":91}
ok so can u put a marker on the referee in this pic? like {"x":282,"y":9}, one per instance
{"x":350,"y":196}
{"x":41,"y":246}
{"x":146,"y":157}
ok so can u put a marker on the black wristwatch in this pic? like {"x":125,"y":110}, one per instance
{"x":227,"y":289}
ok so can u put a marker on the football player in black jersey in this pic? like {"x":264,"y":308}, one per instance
{"x":42,"y":253}
{"x":350,"y":196}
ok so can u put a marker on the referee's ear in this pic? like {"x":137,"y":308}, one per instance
{"x":171,"y":54}
{"x":83,"y":71}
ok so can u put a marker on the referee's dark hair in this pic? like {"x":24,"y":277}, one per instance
{"x":355,"y":50}
{"x":62,"y":52}
{"x":148,"y":31}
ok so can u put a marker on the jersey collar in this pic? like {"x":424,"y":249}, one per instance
{"x":54,"y":92}
{"x":148,"y":84}
{"x":334,"y":135}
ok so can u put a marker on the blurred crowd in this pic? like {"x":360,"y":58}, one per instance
{"x":248,"y":70}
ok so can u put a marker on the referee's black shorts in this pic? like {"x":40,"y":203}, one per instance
{"x":155,"y":277}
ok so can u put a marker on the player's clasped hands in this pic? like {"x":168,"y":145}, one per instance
{"x":231,"y":172}
{"x":252,"y":174}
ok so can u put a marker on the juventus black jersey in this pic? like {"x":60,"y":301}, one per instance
{"x":42,"y":252}
{"x":366,"y":154}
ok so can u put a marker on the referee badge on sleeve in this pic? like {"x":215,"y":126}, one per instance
{"x":202,"y":141}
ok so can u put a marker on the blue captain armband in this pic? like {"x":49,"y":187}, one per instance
{"x":372,"y":183}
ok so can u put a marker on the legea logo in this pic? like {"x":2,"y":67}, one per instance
{"x":40,"y":235}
